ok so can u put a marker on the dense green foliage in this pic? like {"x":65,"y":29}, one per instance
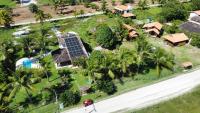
{"x":195,"y":40}
{"x":173,"y":11}
{"x":5,"y":17}
{"x":33,"y":8}
{"x":195,"y":4}
{"x":106,"y":86}
{"x":70,"y":98}
{"x":105,"y":36}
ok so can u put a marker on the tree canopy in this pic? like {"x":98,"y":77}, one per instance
{"x":105,"y":36}
{"x":173,"y":11}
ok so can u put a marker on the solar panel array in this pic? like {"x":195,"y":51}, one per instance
{"x":73,"y":46}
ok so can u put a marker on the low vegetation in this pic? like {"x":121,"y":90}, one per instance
{"x":187,"y":103}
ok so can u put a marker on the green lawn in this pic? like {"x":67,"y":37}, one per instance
{"x":148,"y":13}
{"x":188,"y":103}
{"x":44,"y":2}
{"x":9,"y":3}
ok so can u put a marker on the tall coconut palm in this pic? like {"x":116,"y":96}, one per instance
{"x":27,"y":44}
{"x":21,"y":79}
{"x":41,"y":16}
{"x":4,"y":103}
{"x":162,"y":60}
{"x":55,"y":4}
{"x":8,"y":55}
{"x":46,"y":66}
{"x":125,"y":57}
{"x":142,"y":52}
{"x":5,"y":18}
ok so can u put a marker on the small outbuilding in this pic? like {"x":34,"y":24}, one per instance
{"x":124,"y":11}
{"x":132,"y":31}
{"x":177,"y":39}
{"x":187,"y":65}
{"x":154,"y":28}
{"x":129,"y":15}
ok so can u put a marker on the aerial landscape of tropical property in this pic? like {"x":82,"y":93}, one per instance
{"x":99,"y":56}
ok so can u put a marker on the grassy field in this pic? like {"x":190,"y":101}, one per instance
{"x":44,"y":2}
{"x":9,"y":3}
{"x":148,"y":13}
{"x":188,"y":103}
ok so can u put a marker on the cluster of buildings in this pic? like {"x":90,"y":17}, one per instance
{"x":124,"y":11}
{"x":155,"y":29}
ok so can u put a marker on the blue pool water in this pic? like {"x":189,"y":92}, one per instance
{"x":27,"y":63}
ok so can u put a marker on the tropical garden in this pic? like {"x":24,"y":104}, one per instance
{"x":121,"y":65}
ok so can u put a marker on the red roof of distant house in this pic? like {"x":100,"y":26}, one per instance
{"x":122,"y":7}
{"x":128,"y":27}
{"x":157,"y":25}
{"x":126,"y":15}
{"x":175,"y":38}
{"x":133,"y":34}
{"x":153,"y":30}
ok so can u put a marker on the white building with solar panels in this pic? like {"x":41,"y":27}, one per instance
{"x":70,"y":48}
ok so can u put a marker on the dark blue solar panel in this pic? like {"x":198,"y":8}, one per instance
{"x":74,"y":47}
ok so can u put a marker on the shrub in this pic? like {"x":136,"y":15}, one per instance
{"x":81,"y":61}
{"x":33,"y":8}
{"x":47,"y":95}
{"x":105,"y":36}
{"x":94,"y":6}
{"x":195,"y":40}
{"x":87,"y":4}
{"x":70,"y":98}
{"x":173,"y":11}
{"x":106,"y":86}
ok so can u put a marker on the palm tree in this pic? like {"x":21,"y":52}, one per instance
{"x":41,"y":16}
{"x":5,"y":18}
{"x":120,"y":32}
{"x":142,"y":4}
{"x":46,"y":66}
{"x":4,"y":103}
{"x":8,"y":56}
{"x":55,"y":4}
{"x":28,"y":44}
{"x":162,"y":60}
{"x":142,"y":52}
{"x":21,"y":79}
{"x":125,"y":58}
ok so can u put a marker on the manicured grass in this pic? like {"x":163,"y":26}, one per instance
{"x":152,"y":13}
{"x":188,"y":103}
{"x":10,"y":3}
{"x":44,"y":2}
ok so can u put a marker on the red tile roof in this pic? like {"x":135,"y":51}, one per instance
{"x":175,"y":38}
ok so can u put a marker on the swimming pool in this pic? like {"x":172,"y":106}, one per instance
{"x":27,"y":63}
